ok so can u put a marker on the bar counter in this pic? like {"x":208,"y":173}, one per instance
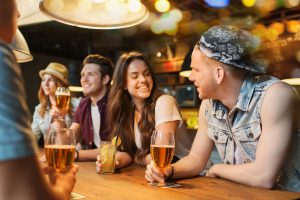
{"x":130,"y":184}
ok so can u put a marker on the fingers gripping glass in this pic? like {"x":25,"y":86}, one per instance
{"x":162,"y":151}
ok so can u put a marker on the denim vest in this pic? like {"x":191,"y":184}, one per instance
{"x":236,"y":134}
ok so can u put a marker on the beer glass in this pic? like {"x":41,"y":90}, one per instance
{"x":162,"y":151}
{"x":60,"y":147}
{"x":62,"y":95}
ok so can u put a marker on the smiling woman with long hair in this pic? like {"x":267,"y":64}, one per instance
{"x":136,"y":108}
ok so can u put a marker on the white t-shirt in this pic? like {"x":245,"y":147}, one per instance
{"x":96,"y":119}
{"x":166,"y":110}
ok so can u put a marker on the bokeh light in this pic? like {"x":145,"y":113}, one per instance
{"x":162,"y":5}
{"x":217,"y":3}
{"x":248,"y":3}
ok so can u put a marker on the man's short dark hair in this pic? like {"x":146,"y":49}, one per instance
{"x":106,"y":65}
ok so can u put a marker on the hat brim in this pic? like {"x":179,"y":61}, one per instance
{"x":42,"y":72}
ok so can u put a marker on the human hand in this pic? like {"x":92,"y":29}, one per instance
{"x":144,"y":161}
{"x":56,"y":113}
{"x":154,"y":174}
{"x":43,"y":159}
{"x":210,"y":172}
{"x":62,"y":180}
{"x":99,"y":164}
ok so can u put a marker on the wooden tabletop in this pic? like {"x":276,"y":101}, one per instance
{"x":130,"y":184}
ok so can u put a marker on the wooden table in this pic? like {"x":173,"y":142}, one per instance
{"x":130,"y":184}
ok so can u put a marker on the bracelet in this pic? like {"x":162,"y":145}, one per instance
{"x":172,"y":172}
{"x":77,"y":157}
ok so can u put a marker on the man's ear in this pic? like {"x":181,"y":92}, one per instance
{"x":105,"y":79}
{"x":219,"y":74}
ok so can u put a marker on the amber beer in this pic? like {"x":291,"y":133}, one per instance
{"x":62,"y":100}
{"x":59,"y":156}
{"x":162,"y":155}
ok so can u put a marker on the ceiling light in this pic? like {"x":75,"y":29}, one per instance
{"x":162,"y":5}
{"x":186,"y":65}
{"x":20,"y":48}
{"x":292,"y":81}
{"x":75,"y":89}
{"x":96,"y":14}
{"x":186,"y":73}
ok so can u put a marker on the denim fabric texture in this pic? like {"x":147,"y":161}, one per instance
{"x":16,"y":139}
{"x":236,"y":133}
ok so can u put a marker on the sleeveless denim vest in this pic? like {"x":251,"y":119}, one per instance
{"x":236,"y":133}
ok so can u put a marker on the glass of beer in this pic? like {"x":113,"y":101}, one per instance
{"x":60,"y":148}
{"x":62,"y":95}
{"x":162,"y":151}
{"x":107,"y":155}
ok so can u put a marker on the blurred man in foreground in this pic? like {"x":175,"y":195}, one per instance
{"x":21,"y":175}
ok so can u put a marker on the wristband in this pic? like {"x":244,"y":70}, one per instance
{"x":77,"y":157}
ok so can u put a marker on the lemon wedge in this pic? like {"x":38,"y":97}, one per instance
{"x":115,"y":142}
{"x":103,"y":153}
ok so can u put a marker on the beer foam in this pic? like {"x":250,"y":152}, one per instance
{"x":60,"y":146}
{"x":62,"y":93}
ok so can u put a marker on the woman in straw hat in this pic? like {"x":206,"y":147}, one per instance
{"x":55,"y":75}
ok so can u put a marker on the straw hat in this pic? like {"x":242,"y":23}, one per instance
{"x":57,"y":70}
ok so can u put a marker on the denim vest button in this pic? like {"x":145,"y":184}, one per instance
{"x":216,"y":137}
{"x":250,"y":135}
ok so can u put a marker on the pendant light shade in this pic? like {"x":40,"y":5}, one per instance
{"x":20,"y":48}
{"x":96,"y":14}
{"x":186,"y":65}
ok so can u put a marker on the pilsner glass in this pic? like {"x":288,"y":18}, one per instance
{"x":60,"y":147}
{"x":62,"y":95}
{"x":162,"y":151}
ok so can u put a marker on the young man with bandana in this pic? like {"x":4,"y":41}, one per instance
{"x":254,"y":121}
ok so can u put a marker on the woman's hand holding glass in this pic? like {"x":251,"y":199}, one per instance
{"x":99,"y":163}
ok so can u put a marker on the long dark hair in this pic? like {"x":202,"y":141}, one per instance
{"x":121,"y":108}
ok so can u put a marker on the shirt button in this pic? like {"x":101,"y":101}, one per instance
{"x":250,"y":135}
{"x":216,"y":137}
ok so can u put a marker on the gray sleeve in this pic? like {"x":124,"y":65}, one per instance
{"x":16,"y":139}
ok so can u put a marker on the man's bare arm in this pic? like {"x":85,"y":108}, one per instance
{"x":277,"y":127}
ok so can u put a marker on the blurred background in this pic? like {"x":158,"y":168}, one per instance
{"x":166,"y":31}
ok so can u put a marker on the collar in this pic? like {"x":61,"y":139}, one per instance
{"x":219,"y":110}
{"x":101,"y":101}
{"x":244,"y":98}
{"x":246,"y":93}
